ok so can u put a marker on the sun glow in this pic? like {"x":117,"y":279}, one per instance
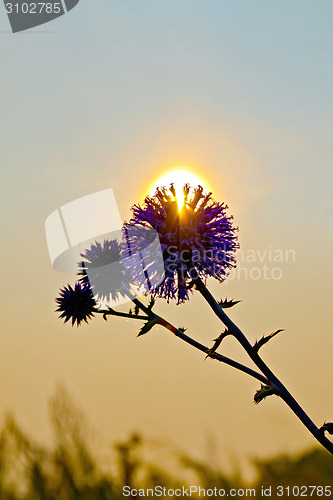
{"x":178,"y":178}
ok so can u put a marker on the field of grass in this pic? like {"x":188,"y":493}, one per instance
{"x":70,"y":470}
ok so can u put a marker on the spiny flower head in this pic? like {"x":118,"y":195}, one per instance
{"x":76,"y":303}
{"x":199,"y":241}
{"x":103,"y":269}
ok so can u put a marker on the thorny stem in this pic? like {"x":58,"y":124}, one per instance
{"x":180,"y":334}
{"x":273,"y":381}
{"x":112,"y":312}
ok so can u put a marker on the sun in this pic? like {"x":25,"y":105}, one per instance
{"x":178,"y":177}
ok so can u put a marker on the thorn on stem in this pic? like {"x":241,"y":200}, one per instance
{"x":151,"y":304}
{"x":327,"y":426}
{"x":263,"y":393}
{"x":259,"y":343}
{"x":226,"y":304}
{"x":217,"y":342}
{"x":148,"y":326}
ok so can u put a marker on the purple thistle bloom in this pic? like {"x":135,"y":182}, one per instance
{"x":199,"y":240}
{"x":76,"y":303}
{"x":103,"y":270}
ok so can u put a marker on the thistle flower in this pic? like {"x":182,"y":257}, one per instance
{"x":76,"y":303}
{"x":103,"y":270}
{"x":199,"y":240}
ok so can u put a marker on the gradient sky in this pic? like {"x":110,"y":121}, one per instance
{"x":115,"y":94}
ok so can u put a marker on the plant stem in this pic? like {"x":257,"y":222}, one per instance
{"x":273,"y":380}
{"x":180,"y":334}
{"x":214,"y":355}
{"x":112,"y":312}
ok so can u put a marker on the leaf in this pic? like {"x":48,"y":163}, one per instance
{"x":226,"y":304}
{"x":263,"y":393}
{"x":136,"y":309}
{"x":217,"y":342}
{"x":148,"y":326}
{"x":264,"y":340}
{"x":327,"y":426}
{"x":151,"y":303}
{"x":182,"y":329}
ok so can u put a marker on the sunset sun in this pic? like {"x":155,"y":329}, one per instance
{"x":178,"y":177}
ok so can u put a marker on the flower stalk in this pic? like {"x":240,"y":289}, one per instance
{"x":273,"y":381}
{"x":186,"y":338}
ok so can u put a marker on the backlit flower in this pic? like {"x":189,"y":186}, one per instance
{"x":198,"y":241}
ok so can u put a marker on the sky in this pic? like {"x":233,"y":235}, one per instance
{"x":116,"y":94}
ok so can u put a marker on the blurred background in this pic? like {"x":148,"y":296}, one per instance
{"x":117,"y":94}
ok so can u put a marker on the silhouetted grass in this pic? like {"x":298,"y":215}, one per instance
{"x":70,"y":470}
